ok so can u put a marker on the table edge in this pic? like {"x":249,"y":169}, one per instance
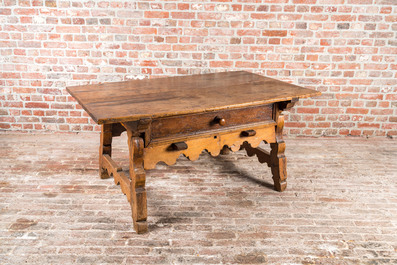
{"x":83,"y":106}
{"x":170,"y":114}
{"x":100,"y":120}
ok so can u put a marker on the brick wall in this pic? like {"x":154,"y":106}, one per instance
{"x":344,"y":48}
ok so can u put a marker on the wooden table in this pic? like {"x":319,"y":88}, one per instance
{"x":167,"y":117}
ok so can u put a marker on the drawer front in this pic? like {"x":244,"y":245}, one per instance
{"x":216,"y":120}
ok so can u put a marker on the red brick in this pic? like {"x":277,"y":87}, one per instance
{"x":248,"y":32}
{"x":297,"y":65}
{"x":366,"y":50}
{"x":76,"y":120}
{"x":264,"y":16}
{"x":5,"y":11}
{"x":5,"y":126}
{"x":187,"y":47}
{"x":159,"y":47}
{"x":360,"y":82}
{"x":183,"y":6}
{"x":374,"y":66}
{"x":349,"y":66}
{"x":67,"y":29}
{"x":144,"y":31}
{"x":247,"y":64}
{"x":307,"y":110}
{"x":392,"y":18}
{"x":271,"y":65}
{"x":84,"y":76}
{"x":131,"y":46}
{"x":340,"y":50}
{"x":41,"y":105}
{"x":223,"y":64}
{"x":382,"y":111}
{"x":356,"y":111}
{"x":25,"y":11}
{"x":368,"y":125}
{"x":156,"y":14}
{"x":343,"y":17}
{"x":237,"y":7}
{"x":386,"y":10}
{"x":148,"y":63}
{"x":33,"y":76}
{"x":6,"y":75}
{"x":209,"y":16}
{"x":183,"y":15}
{"x":296,"y":124}
{"x":277,"y":33}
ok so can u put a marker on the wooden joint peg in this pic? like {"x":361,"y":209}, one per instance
{"x":248,"y":133}
{"x":178,"y":146}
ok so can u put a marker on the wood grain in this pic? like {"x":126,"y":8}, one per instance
{"x":166,"y":118}
{"x":105,"y":147}
{"x":138,"y":179}
{"x":195,"y":123}
{"x":211,"y":143}
{"x":118,"y":175}
{"x":163,"y":97}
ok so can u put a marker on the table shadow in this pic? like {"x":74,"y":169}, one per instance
{"x":229,"y":166}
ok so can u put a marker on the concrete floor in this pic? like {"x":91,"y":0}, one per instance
{"x":340,"y":206}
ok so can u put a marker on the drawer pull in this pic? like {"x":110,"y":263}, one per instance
{"x":179,"y":146}
{"x":248,"y":133}
{"x":220,"y":121}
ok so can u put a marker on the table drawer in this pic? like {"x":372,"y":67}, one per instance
{"x":215,"y":120}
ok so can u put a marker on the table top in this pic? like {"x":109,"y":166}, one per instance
{"x":161,"y":97}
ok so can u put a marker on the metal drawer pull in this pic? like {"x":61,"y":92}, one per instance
{"x":179,"y":146}
{"x":248,"y":133}
{"x":220,"y":121}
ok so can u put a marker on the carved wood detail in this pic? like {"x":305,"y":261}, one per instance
{"x":119,"y":177}
{"x":138,"y":178}
{"x":287,"y":105}
{"x":278,"y":159}
{"x":263,"y":155}
{"x":212,"y":143}
{"x":278,"y":162}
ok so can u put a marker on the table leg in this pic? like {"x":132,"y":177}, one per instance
{"x":275,"y":159}
{"x":278,"y":161}
{"x":105,"y":148}
{"x":138,"y":179}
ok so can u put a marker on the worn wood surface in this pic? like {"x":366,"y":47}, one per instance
{"x":105,"y":147}
{"x":209,"y":121}
{"x":162,"y":97}
{"x":166,"y":118}
{"x":119,"y":176}
{"x":263,"y":155}
{"x":213,"y":144}
{"x":276,"y":159}
{"x":138,"y":179}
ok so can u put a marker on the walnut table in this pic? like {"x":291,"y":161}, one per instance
{"x":167,"y":117}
